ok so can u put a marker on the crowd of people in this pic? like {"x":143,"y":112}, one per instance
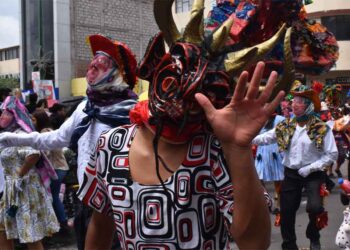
{"x":174,"y":171}
{"x":288,"y":162}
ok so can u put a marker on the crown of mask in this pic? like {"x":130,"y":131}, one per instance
{"x":200,"y":60}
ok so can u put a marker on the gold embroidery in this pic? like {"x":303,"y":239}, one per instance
{"x":316,"y":130}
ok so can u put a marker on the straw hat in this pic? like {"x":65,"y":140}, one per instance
{"x":306,"y":92}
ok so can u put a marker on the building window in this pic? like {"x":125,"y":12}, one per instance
{"x":338,"y":25}
{"x":183,"y":5}
{"x":9,"y":54}
{"x":2,"y":55}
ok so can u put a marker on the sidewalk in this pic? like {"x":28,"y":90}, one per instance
{"x":61,"y":240}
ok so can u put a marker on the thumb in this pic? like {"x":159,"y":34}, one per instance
{"x":206,"y":105}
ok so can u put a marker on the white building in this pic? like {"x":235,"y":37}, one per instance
{"x":335,"y":15}
{"x":53,"y":35}
{"x":9,"y":62}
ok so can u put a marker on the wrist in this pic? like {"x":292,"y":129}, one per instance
{"x":232,"y":150}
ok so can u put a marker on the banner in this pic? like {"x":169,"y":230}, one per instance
{"x":35,"y":75}
{"x":45,"y":90}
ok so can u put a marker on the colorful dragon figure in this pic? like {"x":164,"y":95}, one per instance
{"x":208,"y":55}
{"x":197,"y":63}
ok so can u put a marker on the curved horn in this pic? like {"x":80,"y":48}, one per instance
{"x":197,"y":6}
{"x":165,"y":20}
{"x":194,"y":31}
{"x":288,"y":77}
{"x":220,"y":35}
{"x":240,"y":60}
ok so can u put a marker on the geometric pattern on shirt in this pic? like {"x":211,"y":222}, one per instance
{"x":201,"y":190}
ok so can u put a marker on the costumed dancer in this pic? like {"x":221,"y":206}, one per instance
{"x":198,"y":61}
{"x":26,"y":211}
{"x":111,"y":75}
{"x":286,"y":109}
{"x":268,"y":161}
{"x":168,"y":180}
{"x":340,"y":124}
{"x":309,"y":148}
{"x":325,"y":115}
{"x":342,"y":238}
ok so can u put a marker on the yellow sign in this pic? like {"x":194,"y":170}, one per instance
{"x":78,"y":86}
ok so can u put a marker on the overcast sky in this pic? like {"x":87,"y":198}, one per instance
{"x":9,"y":23}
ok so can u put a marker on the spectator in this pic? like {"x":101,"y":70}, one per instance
{"x":31,"y":106}
{"x":42,"y":124}
{"x":4,"y":92}
{"x":58,"y":115}
{"x":42,"y":103}
{"x":18,"y":94}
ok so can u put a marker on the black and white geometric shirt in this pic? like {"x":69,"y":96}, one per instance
{"x":201,"y":192}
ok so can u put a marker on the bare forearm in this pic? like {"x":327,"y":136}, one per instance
{"x":29,"y":162}
{"x":100,"y":232}
{"x":251,"y":226}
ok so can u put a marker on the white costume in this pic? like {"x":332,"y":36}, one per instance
{"x":61,"y":137}
{"x":302,"y":151}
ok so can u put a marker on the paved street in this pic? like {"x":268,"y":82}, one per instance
{"x":333,"y":206}
{"x":335,"y":217}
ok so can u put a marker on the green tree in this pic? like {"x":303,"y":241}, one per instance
{"x":10,"y":83}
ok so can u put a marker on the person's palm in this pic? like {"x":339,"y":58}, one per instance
{"x":241,"y":120}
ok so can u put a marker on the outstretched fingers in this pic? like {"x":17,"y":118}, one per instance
{"x":271,"y":82}
{"x":271,"y":107}
{"x":241,"y":87}
{"x":206,"y":105}
{"x":254,"y":84}
{"x":265,"y":95}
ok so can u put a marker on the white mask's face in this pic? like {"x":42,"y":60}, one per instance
{"x":99,"y":68}
{"x":6,"y":119}
{"x":299,"y":106}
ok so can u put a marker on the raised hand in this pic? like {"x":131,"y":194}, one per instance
{"x":242,"y":119}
